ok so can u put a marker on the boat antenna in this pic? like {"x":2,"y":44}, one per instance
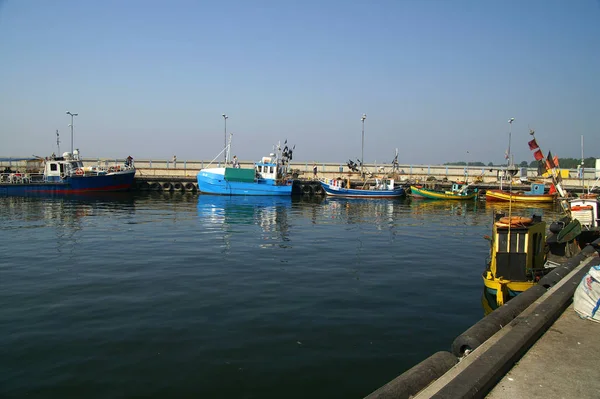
{"x":467,"y":169}
{"x":228,"y":149}
{"x":58,"y":142}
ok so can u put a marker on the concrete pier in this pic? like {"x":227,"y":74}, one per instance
{"x":186,"y":170}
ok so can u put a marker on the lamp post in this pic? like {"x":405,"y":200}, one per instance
{"x":510,"y":121}
{"x":71,"y":125}
{"x":362,"y":154}
{"x":225,"y":148}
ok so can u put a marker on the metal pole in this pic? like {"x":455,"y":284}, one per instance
{"x":510,"y":121}
{"x":72,"y":115}
{"x":225,"y":148}
{"x":582,"y":168}
{"x":71,"y":133}
{"x":362,"y":154}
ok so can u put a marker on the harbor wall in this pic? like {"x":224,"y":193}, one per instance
{"x":187,"y":170}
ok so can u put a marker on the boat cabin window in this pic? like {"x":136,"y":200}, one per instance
{"x":53,"y":167}
{"x":517,"y":241}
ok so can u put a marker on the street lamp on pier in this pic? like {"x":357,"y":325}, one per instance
{"x":362,"y":154}
{"x":71,"y":125}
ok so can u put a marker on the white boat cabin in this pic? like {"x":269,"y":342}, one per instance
{"x":56,"y":169}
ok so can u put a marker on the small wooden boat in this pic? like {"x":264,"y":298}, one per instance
{"x":383,"y":188}
{"x":458,"y":192}
{"x":517,"y":258}
{"x":535,"y":194}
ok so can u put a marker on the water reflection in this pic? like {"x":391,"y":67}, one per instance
{"x":423,"y":206}
{"x":380,"y":212}
{"x":65,"y":214}
{"x":270,"y":214}
{"x":522,"y":209}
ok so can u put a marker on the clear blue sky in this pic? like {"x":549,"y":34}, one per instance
{"x":436,"y":78}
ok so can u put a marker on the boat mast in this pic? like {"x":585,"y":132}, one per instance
{"x":582,"y":167}
{"x":58,"y":142}
{"x":225,"y":117}
{"x":362,"y":154}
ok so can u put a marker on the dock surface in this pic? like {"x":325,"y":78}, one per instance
{"x":563,"y":363}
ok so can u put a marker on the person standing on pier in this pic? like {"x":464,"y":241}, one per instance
{"x":175,"y":161}
{"x":236,"y":163}
{"x":315,"y":170}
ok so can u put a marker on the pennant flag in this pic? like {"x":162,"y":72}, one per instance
{"x":552,"y":189}
{"x":538,"y":155}
{"x":555,"y":159}
{"x":550,"y":161}
{"x":533,"y":144}
{"x":506,"y":154}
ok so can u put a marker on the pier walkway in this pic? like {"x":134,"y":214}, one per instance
{"x":535,"y":356}
{"x":563,"y":363}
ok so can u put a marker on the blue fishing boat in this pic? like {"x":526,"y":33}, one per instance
{"x":65,"y":175}
{"x":381,"y":188}
{"x":269,"y":176}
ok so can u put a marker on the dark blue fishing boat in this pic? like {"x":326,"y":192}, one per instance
{"x":66,"y":175}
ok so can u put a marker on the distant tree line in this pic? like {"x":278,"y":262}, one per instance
{"x":564,"y":163}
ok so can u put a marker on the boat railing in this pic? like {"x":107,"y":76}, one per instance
{"x":99,"y":169}
{"x":21,"y":178}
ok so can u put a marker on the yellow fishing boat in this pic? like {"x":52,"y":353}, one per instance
{"x":457,"y":192}
{"x":517,"y":257}
{"x":535,"y":194}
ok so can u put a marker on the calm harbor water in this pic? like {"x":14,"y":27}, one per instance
{"x":178,"y":295}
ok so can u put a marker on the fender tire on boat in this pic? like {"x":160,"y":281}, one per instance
{"x":167,"y":186}
{"x":319,"y":190}
{"x":154,"y":186}
{"x":307,"y":189}
{"x":178,"y":186}
{"x":189,"y":187}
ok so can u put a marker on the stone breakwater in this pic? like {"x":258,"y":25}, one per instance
{"x":488,"y":177}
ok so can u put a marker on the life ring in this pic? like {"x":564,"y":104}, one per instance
{"x":79,"y":172}
{"x":514,"y":221}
